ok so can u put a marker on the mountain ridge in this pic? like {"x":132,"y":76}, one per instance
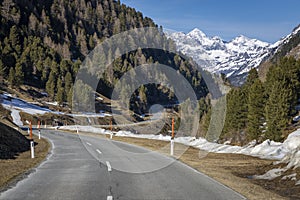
{"x":233,"y":58}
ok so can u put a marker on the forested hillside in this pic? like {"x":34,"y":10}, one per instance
{"x":263,"y":110}
{"x":43,"y":43}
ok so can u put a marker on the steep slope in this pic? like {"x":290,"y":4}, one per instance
{"x":288,"y":46}
{"x":234,"y":58}
{"x":12,"y":142}
{"x":43,"y":43}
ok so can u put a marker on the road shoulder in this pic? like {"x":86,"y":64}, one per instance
{"x":14,"y":170}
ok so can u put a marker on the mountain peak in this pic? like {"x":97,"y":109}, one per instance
{"x":241,"y":39}
{"x":197,"y":32}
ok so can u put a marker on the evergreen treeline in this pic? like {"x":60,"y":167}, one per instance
{"x":43,"y":43}
{"x":263,"y":110}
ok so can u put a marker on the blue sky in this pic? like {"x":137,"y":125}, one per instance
{"x":267,"y":20}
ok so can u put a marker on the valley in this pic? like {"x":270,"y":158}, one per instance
{"x":137,"y":111}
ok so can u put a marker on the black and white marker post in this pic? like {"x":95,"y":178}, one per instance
{"x":39,"y":129}
{"x":31,"y":141}
{"x":39,"y":134}
{"x":32,"y":148}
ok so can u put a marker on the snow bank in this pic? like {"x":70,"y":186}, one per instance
{"x":267,"y":150}
{"x":290,"y":149}
{"x":88,"y":129}
{"x":270,"y":175}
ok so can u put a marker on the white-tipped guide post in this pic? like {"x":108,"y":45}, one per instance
{"x":32,"y":148}
{"x":111,"y":128}
{"x":172,"y":147}
{"x":39,"y":134}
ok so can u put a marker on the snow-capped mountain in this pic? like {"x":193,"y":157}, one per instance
{"x":286,"y":39}
{"x":234,"y":58}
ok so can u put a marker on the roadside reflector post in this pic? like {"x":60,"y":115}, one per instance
{"x":111,"y":128}
{"x":39,"y":129}
{"x":28,"y":131}
{"x":39,"y":134}
{"x":32,"y":148}
{"x":172,"y":147}
{"x":172,"y":138}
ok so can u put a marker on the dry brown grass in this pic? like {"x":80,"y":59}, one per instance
{"x":13,"y":169}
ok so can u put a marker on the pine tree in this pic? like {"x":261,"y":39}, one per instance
{"x":50,"y":85}
{"x":60,"y":96}
{"x":2,"y":71}
{"x":251,"y":78}
{"x":236,"y":112}
{"x":19,"y":77}
{"x":70,"y":97}
{"x":11,"y":77}
{"x":277,"y":109}
{"x":256,"y":102}
{"x":68,"y":82}
{"x":14,"y":36}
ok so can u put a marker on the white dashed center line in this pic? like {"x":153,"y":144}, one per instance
{"x":108,"y":166}
{"x":109,"y":198}
{"x":99,"y":151}
{"x":89,"y":144}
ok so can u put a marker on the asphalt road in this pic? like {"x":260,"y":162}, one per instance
{"x":82,"y":167}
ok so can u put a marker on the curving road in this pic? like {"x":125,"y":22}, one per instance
{"x":84,"y":167}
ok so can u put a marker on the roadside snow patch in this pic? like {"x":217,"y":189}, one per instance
{"x":270,"y":175}
{"x":15,"y":114}
{"x":290,"y":177}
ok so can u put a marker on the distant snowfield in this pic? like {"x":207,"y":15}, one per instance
{"x":16,"y":105}
{"x":10,"y":102}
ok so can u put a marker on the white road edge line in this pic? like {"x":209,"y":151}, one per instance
{"x":109,"y":198}
{"x":99,"y":151}
{"x":89,"y":144}
{"x":108,"y":166}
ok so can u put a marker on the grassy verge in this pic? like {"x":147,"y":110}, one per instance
{"x":13,"y":170}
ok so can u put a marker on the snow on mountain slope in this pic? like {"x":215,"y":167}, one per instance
{"x":234,"y":58}
{"x":286,"y":39}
